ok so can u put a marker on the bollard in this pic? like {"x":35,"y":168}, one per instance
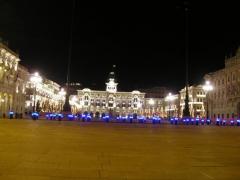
{"x":156,"y":120}
{"x":35,"y":115}
{"x":11,"y":114}
{"x":184,"y":121}
{"x":238,"y":122}
{"x":208,"y":121}
{"x":176,"y":121}
{"x":83,"y":117}
{"x":141,"y":119}
{"x":130,"y":118}
{"x":106,"y":118}
{"x":70,"y":117}
{"x":124,"y":118}
{"x":224,"y":122}
{"x":197,"y":121}
{"x":192,"y":121}
{"x":59,"y":117}
{"x":89,"y":118}
{"x":221,"y":122}
{"x":118,"y":118}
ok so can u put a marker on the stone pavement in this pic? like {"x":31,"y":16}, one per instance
{"x":52,"y":150}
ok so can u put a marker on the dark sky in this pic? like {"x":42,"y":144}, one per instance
{"x":145,"y":41}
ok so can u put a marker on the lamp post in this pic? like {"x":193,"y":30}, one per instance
{"x":207,"y":87}
{"x":35,"y":79}
{"x":169,"y":99}
{"x":66,"y":106}
{"x":186,"y":112}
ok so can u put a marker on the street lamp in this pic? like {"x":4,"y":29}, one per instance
{"x":169,"y":99}
{"x":207,"y":87}
{"x":35,"y":79}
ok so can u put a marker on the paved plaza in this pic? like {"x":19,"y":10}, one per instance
{"x":53,"y":150}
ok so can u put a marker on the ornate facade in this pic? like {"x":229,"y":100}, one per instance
{"x":20,"y":96}
{"x":197,"y":100}
{"x":46,"y":95}
{"x":154,"y":106}
{"x":12,"y":82}
{"x":171,"y":106}
{"x":111,"y":100}
{"x":224,"y":100}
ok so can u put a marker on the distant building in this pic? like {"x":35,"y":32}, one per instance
{"x":22,"y":79}
{"x":49,"y":97}
{"x":109,"y":101}
{"x":171,"y":106}
{"x":17,"y":91}
{"x":197,"y":100}
{"x":12,"y":82}
{"x":153,"y":106}
{"x":224,"y":100}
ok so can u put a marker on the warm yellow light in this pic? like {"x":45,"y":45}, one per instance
{"x":74,"y":99}
{"x":35,"y":78}
{"x":170,"y":97}
{"x":62,"y":92}
{"x":151,"y":102}
{"x":207,"y":87}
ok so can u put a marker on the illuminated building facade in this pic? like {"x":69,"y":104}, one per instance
{"x":197,"y":100}
{"x":224,"y":99}
{"x":109,"y":101}
{"x":157,"y":101}
{"x":171,"y":106}
{"x":12,"y":82}
{"x":154,"y":106}
{"x":124,"y":103}
{"x":20,"y":96}
{"x":45,"y":94}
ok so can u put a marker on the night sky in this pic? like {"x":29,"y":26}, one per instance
{"x":145,"y":41}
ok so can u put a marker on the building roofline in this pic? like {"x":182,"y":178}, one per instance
{"x":8,"y":49}
{"x":118,"y":92}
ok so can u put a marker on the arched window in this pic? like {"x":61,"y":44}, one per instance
{"x":135,"y":100}
{"x":86,"y":98}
